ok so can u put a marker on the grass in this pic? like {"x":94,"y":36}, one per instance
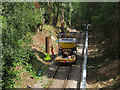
{"x":20,"y":79}
{"x":44,"y":85}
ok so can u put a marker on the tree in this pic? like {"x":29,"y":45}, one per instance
{"x":19,"y":21}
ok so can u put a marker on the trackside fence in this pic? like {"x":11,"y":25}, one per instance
{"x":83,"y":78}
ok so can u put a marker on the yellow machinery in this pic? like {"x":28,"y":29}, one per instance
{"x":67,"y":47}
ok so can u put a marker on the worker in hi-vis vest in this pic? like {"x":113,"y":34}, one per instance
{"x":52,"y":49}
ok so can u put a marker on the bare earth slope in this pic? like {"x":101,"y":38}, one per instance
{"x":101,"y":71}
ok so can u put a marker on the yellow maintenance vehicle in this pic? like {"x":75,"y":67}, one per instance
{"x":67,"y":47}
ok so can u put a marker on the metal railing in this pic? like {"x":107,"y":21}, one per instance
{"x":83,"y":78}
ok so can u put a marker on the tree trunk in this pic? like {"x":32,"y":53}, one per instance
{"x":62,"y":23}
{"x":55,"y":20}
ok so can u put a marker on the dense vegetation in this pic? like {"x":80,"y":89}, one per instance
{"x":20,"y":20}
{"x":103,"y":18}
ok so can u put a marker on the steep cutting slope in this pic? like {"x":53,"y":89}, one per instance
{"x":102,"y":71}
{"x":29,"y":78}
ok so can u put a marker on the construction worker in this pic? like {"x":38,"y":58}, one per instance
{"x":52,"y":50}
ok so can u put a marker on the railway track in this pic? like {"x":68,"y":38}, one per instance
{"x":57,"y":67}
{"x":60,"y":71}
{"x":68,"y":76}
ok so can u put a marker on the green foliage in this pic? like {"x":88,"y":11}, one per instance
{"x":51,"y":12}
{"x":18,"y":21}
{"x":103,"y":18}
{"x":105,"y":27}
{"x":81,"y":13}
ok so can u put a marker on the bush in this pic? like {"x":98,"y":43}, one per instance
{"x":19,"y":20}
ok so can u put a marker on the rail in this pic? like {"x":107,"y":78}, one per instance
{"x":53,"y":76}
{"x":83,"y":78}
{"x":68,"y":72}
{"x":57,"y":67}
